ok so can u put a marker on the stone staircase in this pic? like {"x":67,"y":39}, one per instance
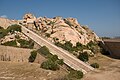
{"x":70,"y":60}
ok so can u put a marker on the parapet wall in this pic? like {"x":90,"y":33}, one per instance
{"x":13,"y":54}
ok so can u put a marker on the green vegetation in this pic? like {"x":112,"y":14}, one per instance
{"x":32,"y":56}
{"x":25,"y":43}
{"x":50,"y":65}
{"x":3,"y":32}
{"x":93,"y":46}
{"x":44,"y":51}
{"x":14,"y":28}
{"x":60,"y":61}
{"x":53,"y":62}
{"x":17,"y":36}
{"x":11,"y":29}
{"x":73,"y":75}
{"x":10,"y":43}
{"x":83,"y":56}
{"x":79,"y":47}
{"x":67,"y":45}
{"x":47,"y":35}
{"x":95,"y":65}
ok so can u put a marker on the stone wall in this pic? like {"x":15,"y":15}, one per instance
{"x":13,"y":54}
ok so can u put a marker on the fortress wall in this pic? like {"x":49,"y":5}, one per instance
{"x":115,"y":48}
{"x":14,"y":54}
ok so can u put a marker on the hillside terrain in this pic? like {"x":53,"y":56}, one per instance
{"x":67,"y":29}
{"x":28,"y":60}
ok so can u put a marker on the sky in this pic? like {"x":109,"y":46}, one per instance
{"x":102,"y":16}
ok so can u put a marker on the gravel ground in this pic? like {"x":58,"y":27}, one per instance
{"x":27,"y":71}
{"x":109,"y":69}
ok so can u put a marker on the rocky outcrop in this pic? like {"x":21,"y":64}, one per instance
{"x":4,"y":22}
{"x":11,"y":37}
{"x":67,"y":29}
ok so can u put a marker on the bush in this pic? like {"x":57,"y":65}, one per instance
{"x":3,"y":33}
{"x":47,"y":35}
{"x":53,"y":58}
{"x":84,"y":56}
{"x":10,"y":43}
{"x":75,"y":74}
{"x":95,"y":65}
{"x":32,"y":56}
{"x":59,"y":44}
{"x":50,"y":65}
{"x":31,"y":44}
{"x":68,"y":46}
{"x":14,"y":28}
{"x":44,"y":51}
{"x":26,"y":44}
{"x":60,"y":62}
{"x":79,"y":46}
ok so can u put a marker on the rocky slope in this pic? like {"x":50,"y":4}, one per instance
{"x":4,"y":22}
{"x":67,"y":29}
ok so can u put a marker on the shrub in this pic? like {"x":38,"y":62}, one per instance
{"x":26,"y":44}
{"x":14,"y":28}
{"x":59,"y":44}
{"x":84,"y":56}
{"x":79,"y":46}
{"x":10,"y":43}
{"x":47,"y":34}
{"x":75,"y":74}
{"x":3,"y":33}
{"x":95,"y":65}
{"x":60,"y":62}
{"x":23,"y":43}
{"x":50,"y":65}
{"x":53,"y":58}
{"x":44,"y":51}
{"x":32,"y":56}
{"x":90,"y":44}
{"x":68,"y":46}
{"x":31,"y":45}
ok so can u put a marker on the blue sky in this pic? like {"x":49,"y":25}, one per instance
{"x":102,"y":16}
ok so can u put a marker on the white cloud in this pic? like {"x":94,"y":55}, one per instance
{"x":4,"y":16}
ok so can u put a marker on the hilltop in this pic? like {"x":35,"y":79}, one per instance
{"x":67,"y":29}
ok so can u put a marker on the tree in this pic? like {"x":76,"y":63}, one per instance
{"x":95,"y":65}
{"x":32,"y":56}
{"x":84,"y":56}
{"x":74,"y":74}
{"x":50,"y":65}
{"x":44,"y":51}
{"x":14,"y":28}
{"x":68,"y":46}
{"x":60,"y":62}
{"x":10,"y":43}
